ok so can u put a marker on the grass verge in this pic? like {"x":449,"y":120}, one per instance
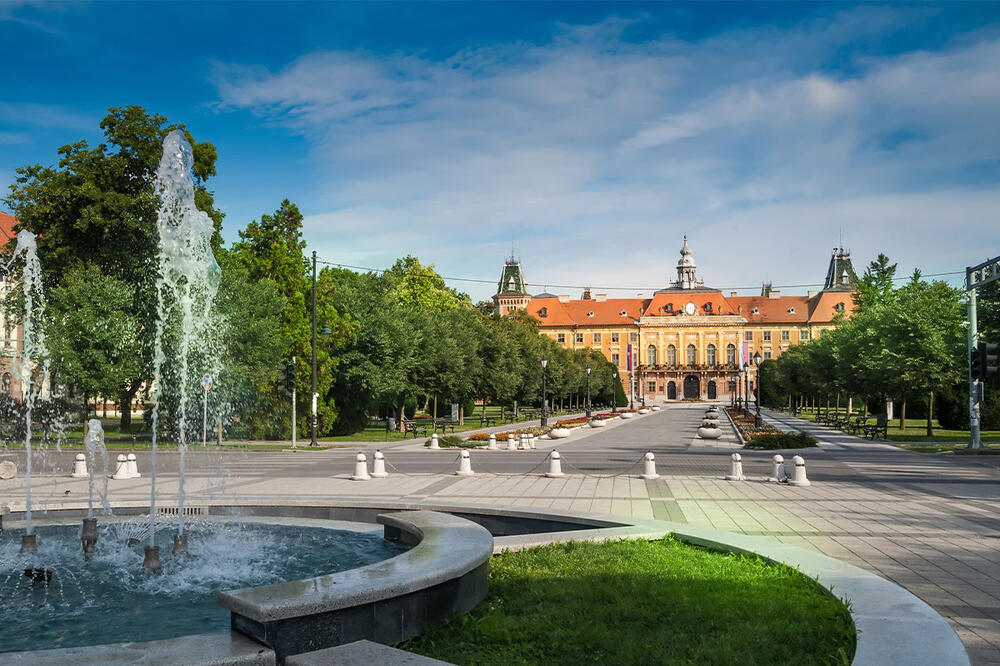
{"x":641,"y":602}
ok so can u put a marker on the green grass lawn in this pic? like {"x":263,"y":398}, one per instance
{"x":916,"y":431}
{"x":641,"y":602}
{"x":938,"y":448}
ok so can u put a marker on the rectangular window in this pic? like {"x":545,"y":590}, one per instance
{"x":767,"y":355}
{"x":561,"y":338}
{"x":614,"y":337}
{"x":767,"y":336}
{"x":597,"y":338}
{"x":616,"y":360}
{"x":804,"y":334}
{"x":579,"y":338}
{"x":785,"y":336}
{"x":748,"y":336}
{"x":652,"y":387}
{"x":633,"y":337}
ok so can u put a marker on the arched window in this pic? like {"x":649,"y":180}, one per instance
{"x":730,"y":354}
{"x":671,"y":355}
{"x":692,"y":355}
{"x":710,"y":356}
{"x":651,"y":355}
{"x":671,"y":391}
{"x":5,"y":384}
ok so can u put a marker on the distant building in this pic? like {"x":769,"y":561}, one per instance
{"x":687,"y":340}
{"x":9,"y":344}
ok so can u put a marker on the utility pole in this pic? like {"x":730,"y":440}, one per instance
{"x":294,"y":382}
{"x":315,"y":417}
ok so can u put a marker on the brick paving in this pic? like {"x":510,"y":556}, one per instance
{"x":927,"y":522}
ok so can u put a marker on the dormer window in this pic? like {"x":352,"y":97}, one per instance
{"x":840,"y":307}
{"x":670,"y":307}
{"x":590,"y":314}
{"x":791,"y":310}
{"x":544,"y":312}
{"x":622,"y":313}
{"x":708,"y":307}
{"x":755,"y":311}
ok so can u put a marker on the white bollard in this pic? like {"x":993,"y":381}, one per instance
{"x":465,"y":465}
{"x":361,"y":468}
{"x":524,"y":442}
{"x":378,"y":466}
{"x":511,"y":444}
{"x":121,"y":468}
{"x":799,"y":473}
{"x":434,"y":441}
{"x":736,"y":469}
{"x":778,"y":470}
{"x":555,"y":466}
{"x":493,"y":443}
{"x":132,"y":467}
{"x":80,"y":467}
{"x":649,"y":467}
{"x":531,"y":441}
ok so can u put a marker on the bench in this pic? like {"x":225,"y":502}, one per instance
{"x":413,"y":428}
{"x":881,"y":426}
{"x":855,"y":425}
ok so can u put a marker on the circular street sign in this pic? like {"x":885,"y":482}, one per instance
{"x":206,"y":381}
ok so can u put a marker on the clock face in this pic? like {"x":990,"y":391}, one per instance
{"x":689,"y":308}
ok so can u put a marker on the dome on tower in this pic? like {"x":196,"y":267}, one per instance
{"x":686,"y":259}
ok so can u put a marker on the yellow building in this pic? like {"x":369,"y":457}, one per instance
{"x":687,"y":340}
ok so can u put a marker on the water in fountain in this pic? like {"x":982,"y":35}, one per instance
{"x":186,"y":288}
{"x":95,"y":444}
{"x":34,"y":355}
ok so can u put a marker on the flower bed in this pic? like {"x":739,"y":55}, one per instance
{"x":572,"y":423}
{"x":604,"y":416}
{"x":456,"y":442}
{"x":746,"y":426}
{"x":537,"y":431}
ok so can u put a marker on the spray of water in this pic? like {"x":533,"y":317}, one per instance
{"x":185,"y":291}
{"x":95,"y":444}
{"x":33,"y":351}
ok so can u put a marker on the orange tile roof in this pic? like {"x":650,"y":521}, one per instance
{"x":824,"y":305}
{"x":606,"y":313}
{"x":774,"y":310}
{"x":7,"y":232}
{"x":678,"y":299}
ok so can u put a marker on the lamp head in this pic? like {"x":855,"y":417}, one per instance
{"x":756,"y":358}
{"x":746,"y":366}
{"x":588,"y":369}
{"x":545,"y":361}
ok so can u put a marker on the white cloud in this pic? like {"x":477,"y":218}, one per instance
{"x":594,"y":155}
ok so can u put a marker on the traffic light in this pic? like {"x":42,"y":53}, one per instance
{"x":290,"y":377}
{"x":282,"y":383}
{"x":984,"y":361}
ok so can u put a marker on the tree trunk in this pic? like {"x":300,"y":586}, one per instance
{"x":838,"y":403}
{"x":930,"y":414}
{"x":902,"y":415}
{"x":434,"y":419}
{"x":125,"y":420}
{"x":461,"y":414}
{"x":402,"y":413}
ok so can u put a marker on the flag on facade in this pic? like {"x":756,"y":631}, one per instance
{"x":628,"y":364}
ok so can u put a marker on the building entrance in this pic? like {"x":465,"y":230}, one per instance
{"x":691,"y":387}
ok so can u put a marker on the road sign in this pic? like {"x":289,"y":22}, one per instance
{"x":206,"y":381}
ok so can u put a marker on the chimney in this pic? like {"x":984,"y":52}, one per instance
{"x":564,"y":298}
{"x":639,"y":294}
{"x":811,"y":293}
{"x":600,"y":298}
{"x":775,"y":294}
{"x":732,"y":294}
{"x":586,"y":294}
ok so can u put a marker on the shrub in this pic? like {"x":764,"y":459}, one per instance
{"x":454,"y":441}
{"x":782,"y":440}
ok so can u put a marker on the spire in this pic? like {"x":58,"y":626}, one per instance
{"x":840,"y":276}
{"x":512,"y":290}
{"x":686,"y":268}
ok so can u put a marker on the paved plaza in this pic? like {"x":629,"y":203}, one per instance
{"x":927,"y":522}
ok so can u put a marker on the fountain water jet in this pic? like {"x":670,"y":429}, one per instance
{"x":185,"y":291}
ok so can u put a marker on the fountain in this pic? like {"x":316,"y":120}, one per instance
{"x":185,"y":291}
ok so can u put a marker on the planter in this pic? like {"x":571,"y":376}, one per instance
{"x":644,"y":410}
{"x":598,"y":423}
{"x":710,"y":433}
{"x":558,"y":433}
{"x":655,"y":408}
{"x":626,"y":415}
{"x":709,"y":423}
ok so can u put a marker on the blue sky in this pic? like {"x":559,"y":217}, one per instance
{"x":592,"y":136}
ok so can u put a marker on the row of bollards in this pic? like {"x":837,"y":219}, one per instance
{"x":778,"y":474}
{"x":126,"y":467}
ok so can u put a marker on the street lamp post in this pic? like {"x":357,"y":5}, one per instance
{"x":614,"y":391}
{"x":315,"y":395}
{"x":545,"y":418}
{"x":756,"y":362}
{"x":588,"y":391}
{"x":746,"y":390}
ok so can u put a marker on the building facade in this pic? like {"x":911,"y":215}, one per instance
{"x":686,"y":340}
{"x":11,"y":331}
